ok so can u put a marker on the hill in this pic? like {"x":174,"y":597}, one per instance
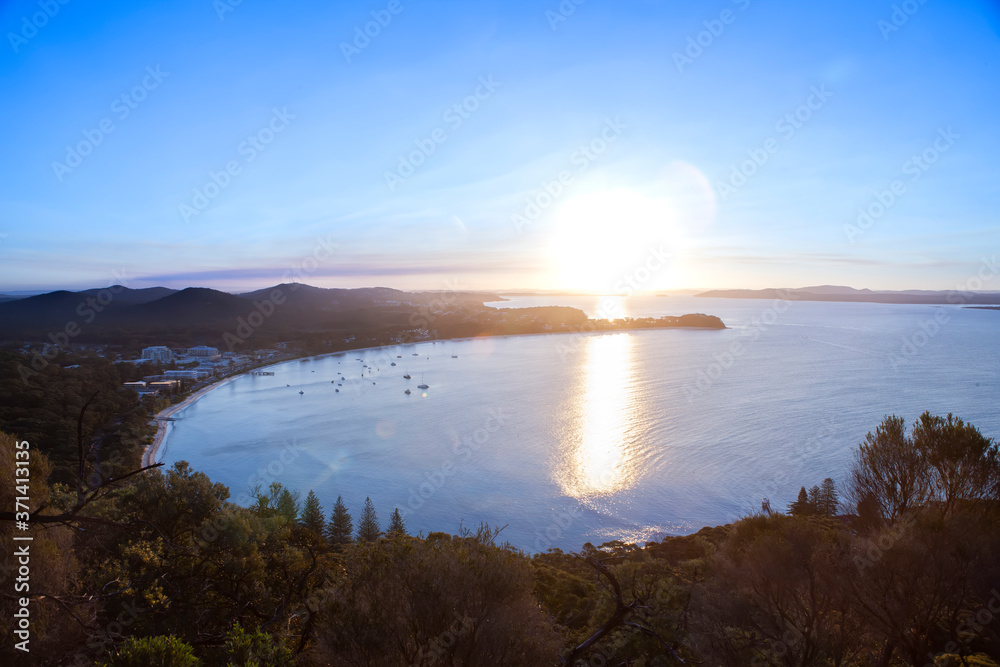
{"x":849,"y":294}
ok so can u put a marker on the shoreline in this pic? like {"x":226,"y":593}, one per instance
{"x":161,"y":418}
{"x":163,"y":424}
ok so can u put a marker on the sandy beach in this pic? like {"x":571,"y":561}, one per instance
{"x":162,"y":419}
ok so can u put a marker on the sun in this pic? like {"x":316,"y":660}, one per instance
{"x":599,"y":238}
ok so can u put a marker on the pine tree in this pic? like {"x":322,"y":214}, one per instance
{"x":827,"y":500}
{"x":288,"y":504}
{"x":396,"y":524}
{"x":814,"y":498}
{"x":311,"y":516}
{"x":368,"y":530}
{"x":340,"y":528}
{"x":802,"y":506}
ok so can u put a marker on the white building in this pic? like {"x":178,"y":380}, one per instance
{"x":203,"y":351}
{"x":158,"y":353}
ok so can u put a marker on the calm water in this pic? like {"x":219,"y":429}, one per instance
{"x":584,"y":437}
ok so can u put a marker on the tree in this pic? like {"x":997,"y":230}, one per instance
{"x":827,"y":498}
{"x":802,"y":506}
{"x":890,"y":470}
{"x":245,"y":649}
{"x":368,"y":529}
{"x":340,"y":528}
{"x":442,"y":600}
{"x":311,"y":517}
{"x":161,"y":651}
{"x":288,"y":505}
{"x":962,"y":464}
{"x":278,"y":501}
{"x":396,"y":524}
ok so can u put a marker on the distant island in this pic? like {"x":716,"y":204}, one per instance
{"x":849,"y":294}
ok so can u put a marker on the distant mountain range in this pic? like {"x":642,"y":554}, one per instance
{"x":201,"y":314}
{"x":849,"y":294}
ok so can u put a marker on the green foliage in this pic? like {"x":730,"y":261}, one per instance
{"x":944,"y":462}
{"x":802,"y":506}
{"x":368,"y":528}
{"x":442,"y":600}
{"x":311,"y":517}
{"x":827,"y":498}
{"x":340,"y":529}
{"x":396,"y":524}
{"x":257,"y":649}
{"x":41,"y":401}
{"x":821,"y":500}
{"x":167,"y":560}
{"x":278,"y":503}
{"x":160,"y":651}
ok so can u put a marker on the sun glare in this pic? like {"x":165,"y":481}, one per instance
{"x":601,"y":237}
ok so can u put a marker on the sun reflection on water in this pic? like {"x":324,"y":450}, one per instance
{"x":597,"y":456}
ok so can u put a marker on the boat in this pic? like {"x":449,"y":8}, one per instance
{"x":406,"y":377}
{"x":394,"y":363}
{"x":407,"y":392}
{"x":302,"y":392}
{"x":337,"y":390}
{"x":423,"y":386}
{"x":399,"y":356}
{"x":416,"y":354}
{"x":454,"y":356}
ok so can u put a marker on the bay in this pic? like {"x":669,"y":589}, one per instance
{"x":569,"y":438}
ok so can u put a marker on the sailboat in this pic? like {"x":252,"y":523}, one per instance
{"x":406,"y":377}
{"x":422,"y":385}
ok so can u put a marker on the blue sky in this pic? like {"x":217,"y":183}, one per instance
{"x":638,"y":132}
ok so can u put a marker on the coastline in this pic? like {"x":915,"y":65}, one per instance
{"x":162,"y":423}
{"x":161,"y":418}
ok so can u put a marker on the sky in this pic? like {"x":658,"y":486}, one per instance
{"x":582,"y":144}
